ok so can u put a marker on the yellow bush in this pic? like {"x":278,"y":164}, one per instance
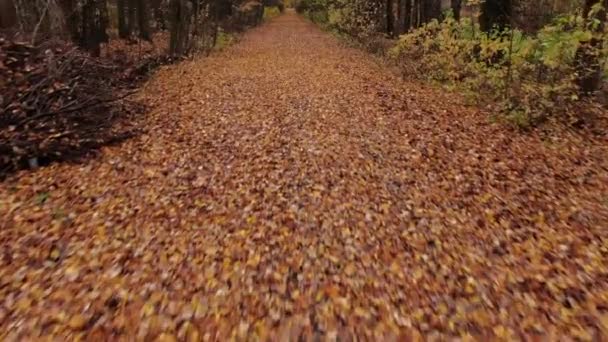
{"x":271,"y":12}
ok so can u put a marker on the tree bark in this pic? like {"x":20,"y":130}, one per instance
{"x":180,"y":16}
{"x":8,"y":16}
{"x":94,"y":24}
{"x":404,"y":16}
{"x":416,"y":13}
{"x":407,"y":16}
{"x":390,"y":18}
{"x":456,"y":8}
{"x":70,"y":13}
{"x":132,"y":13}
{"x":431,"y":10}
{"x":142,"y":19}
{"x":174,"y":22}
{"x":123,"y":28}
{"x":157,"y":12}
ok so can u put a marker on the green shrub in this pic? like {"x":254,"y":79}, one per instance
{"x":315,"y":10}
{"x":224,"y":39}
{"x":319,"y":17}
{"x":532,"y":77}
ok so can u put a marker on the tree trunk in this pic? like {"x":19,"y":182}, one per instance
{"x":142,"y":19}
{"x":456,"y":8}
{"x":416,"y":13}
{"x":390,"y":18}
{"x":180,"y":13}
{"x":26,"y":16}
{"x":431,"y":9}
{"x":70,"y":12}
{"x":8,"y":16}
{"x":156,"y":10}
{"x":174,"y":22}
{"x":132,"y":13}
{"x":123,"y":28}
{"x":404,"y":16}
{"x":495,"y":14}
{"x":94,"y":24}
{"x":36,"y":16}
{"x":407,"y":16}
{"x":589,"y":67}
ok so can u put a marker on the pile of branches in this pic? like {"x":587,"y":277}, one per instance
{"x":58,"y":103}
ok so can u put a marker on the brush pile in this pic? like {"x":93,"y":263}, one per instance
{"x":57,"y":102}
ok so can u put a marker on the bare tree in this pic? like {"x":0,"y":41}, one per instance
{"x":39,"y":16}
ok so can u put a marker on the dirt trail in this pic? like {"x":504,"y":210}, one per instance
{"x":289,"y":186}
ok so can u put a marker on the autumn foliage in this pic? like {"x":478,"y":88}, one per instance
{"x":283,"y":185}
{"x":293,"y":188}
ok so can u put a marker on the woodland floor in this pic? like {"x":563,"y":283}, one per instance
{"x":290,"y":186}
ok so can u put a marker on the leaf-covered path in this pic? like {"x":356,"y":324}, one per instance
{"x":290,"y":186}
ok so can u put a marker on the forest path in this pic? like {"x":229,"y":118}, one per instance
{"x":291,"y":186}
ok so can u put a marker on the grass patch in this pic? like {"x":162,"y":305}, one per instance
{"x":271,"y":12}
{"x":224,"y":40}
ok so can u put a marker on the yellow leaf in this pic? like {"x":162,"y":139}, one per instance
{"x":166,"y":337}
{"x":361,"y":312}
{"x":149,"y":173}
{"x":77,"y":322}
{"x":23,"y":304}
{"x":418,"y":274}
{"x":502,"y":332}
{"x":485,"y":198}
{"x":200,"y":310}
{"x":55,"y":254}
{"x":101,"y":232}
{"x":192,"y":334}
{"x":148,"y":309}
{"x":346,"y":232}
{"x":490,"y":216}
{"x":350,"y":269}
{"x":581,"y":334}
{"x":156,"y":297}
{"x":418,"y":314}
{"x":481,"y":317}
{"x":384,"y":208}
{"x":72,"y":273}
{"x":254,"y":261}
{"x":442,"y":309}
{"x":395,"y":268}
{"x":604,"y":323}
{"x":260,"y":331}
